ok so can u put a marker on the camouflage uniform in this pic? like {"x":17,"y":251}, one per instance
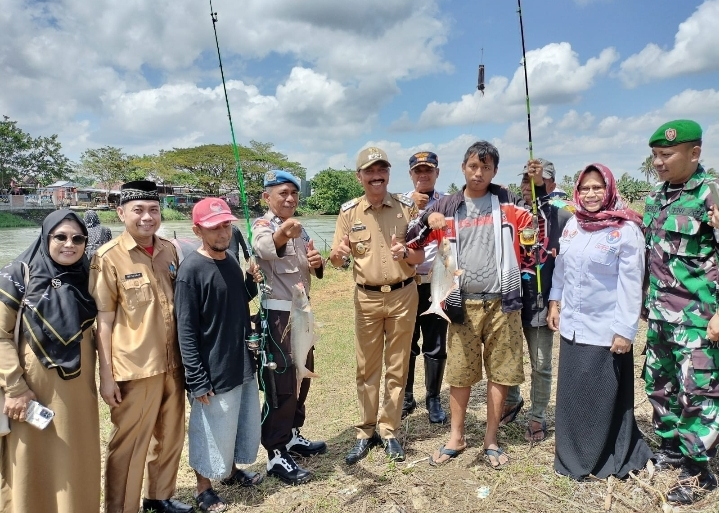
{"x":682,"y":365}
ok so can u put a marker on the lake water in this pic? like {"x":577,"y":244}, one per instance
{"x":14,"y":241}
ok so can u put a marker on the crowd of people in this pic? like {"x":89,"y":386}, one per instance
{"x":162,"y":326}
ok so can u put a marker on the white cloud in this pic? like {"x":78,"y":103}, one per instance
{"x":696,"y":49}
{"x":555,"y":77}
{"x":135,"y":74}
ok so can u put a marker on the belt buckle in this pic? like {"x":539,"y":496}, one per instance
{"x":385,"y":288}
{"x":418,"y":279}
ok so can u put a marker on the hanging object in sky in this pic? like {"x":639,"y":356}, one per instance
{"x":480,"y":79}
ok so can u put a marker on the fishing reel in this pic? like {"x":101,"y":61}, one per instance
{"x":254,"y":345}
{"x":528,"y":236}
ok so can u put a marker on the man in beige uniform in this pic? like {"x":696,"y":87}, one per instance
{"x":141,"y":373}
{"x":372,"y":229}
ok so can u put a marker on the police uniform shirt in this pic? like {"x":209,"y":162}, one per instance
{"x":139,"y":288}
{"x":370,"y":236}
{"x":283,"y":267}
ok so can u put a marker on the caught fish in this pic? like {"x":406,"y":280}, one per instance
{"x":302,"y":332}
{"x":442,"y":282}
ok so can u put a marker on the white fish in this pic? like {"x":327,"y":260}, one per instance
{"x":442,"y":281}
{"x":302,"y":332}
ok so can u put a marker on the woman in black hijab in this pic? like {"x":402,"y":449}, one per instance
{"x":56,"y":469}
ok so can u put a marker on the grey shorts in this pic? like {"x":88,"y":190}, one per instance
{"x":224,"y":432}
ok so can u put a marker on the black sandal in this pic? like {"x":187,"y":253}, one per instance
{"x":209,"y":498}
{"x":511,"y":414}
{"x":243,"y":478}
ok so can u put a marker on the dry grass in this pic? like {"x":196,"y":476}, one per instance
{"x":373,"y":485}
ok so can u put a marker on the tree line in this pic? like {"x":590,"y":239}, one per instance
{"x":209,"y":169}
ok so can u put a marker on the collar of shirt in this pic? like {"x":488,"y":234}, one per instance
{"x":129,"y":243}
{"x":386,"y":201}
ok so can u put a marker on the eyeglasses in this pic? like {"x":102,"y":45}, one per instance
{"x":61,"y":238}
{"x":597,"y":189}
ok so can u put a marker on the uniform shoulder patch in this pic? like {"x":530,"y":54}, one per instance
{"x":404,"y":200}
{"x":348,"y":205}
{"x":261,"y":221}
{"x":108,"y":246}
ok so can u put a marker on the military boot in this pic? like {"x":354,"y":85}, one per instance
{"x":668,"y":456}
{"x":409,"y":404}
{"x":694,"y":478}
{"x":433,"y":375}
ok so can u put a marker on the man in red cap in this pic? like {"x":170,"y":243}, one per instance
{"x":213,"y":321}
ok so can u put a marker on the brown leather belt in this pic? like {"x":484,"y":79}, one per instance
{"x":386,"y":288}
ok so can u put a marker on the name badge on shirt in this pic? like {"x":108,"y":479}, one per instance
{"x":359,"y":228}
{"x":133,"y":276}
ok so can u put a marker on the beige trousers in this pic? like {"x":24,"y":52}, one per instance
{"x":148,"y":436}
{"x":383,"y":321}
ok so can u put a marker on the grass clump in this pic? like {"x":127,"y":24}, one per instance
{"x":8,"y":220}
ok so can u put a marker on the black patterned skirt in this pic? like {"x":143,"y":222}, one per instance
{"x":596,"y":432}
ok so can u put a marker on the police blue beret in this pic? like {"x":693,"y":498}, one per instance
{"x":278,"y":177}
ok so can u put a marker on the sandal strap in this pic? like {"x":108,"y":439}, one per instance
{"x":207,"y":499}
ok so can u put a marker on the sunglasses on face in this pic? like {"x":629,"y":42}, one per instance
{"x":61,"y":238}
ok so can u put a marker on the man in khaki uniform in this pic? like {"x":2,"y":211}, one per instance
{"x":141,"y":373}
{"x":287,"y":257}
{"x":372,"y":229}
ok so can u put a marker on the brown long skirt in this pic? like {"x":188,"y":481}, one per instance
{"x":56,"y":470}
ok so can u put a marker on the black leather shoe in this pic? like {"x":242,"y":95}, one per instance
{"x":668,"y":456}
{"x":165,"y":506}
{"x":409,"y":404}
{"x":300,"y":446}
{"x":362,"y":448}
{"x":693,"y":477}
{"x":393,"y":449}
{"x":284,"y":467}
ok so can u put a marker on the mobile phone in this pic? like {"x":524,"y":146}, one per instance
{"x":38,"y":416}
{"x":714,"y":188}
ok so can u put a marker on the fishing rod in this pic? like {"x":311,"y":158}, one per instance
{"x":256,"y":342}
{"x":238,"y":167}
{"x":535,"y":215}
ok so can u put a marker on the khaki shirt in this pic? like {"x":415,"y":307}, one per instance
{"x":283,"y":267}
{"x":370,"y":234}
{"x":139,"y":288}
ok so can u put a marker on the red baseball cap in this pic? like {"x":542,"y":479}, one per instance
{"x":210,"y":212}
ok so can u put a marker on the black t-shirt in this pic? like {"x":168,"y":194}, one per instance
{"x":213,"y":319}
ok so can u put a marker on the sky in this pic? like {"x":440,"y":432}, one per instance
{"x":322,"y":79}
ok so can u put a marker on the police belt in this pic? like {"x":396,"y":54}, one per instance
{"x":277,"y":304}
{"x":422,"y":279}
{"x":386,"y":288}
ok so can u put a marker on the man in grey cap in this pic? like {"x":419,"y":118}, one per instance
{"x":549,"y":174}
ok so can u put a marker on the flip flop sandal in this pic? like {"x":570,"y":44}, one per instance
{"x":495,"y":453}
{"x":244,"y":478}
{"x":209,"y":498}
{"x":529,"y":434}
{"x":511,"y":414}
{"x":443,"y":451}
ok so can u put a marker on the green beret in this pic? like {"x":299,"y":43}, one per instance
{"x":676,"y":132}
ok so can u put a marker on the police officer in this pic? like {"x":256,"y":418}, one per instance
{"x":372,"y":229}
{"x":682,"y":366}
{"x":424,"y":170}
{"x":287,"y":257}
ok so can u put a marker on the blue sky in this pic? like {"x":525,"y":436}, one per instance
{"x":322,"y":79}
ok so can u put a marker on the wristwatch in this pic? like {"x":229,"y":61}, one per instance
{"x":405,"y":254}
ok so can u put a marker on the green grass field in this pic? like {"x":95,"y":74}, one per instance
{"x":374,"y":485}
